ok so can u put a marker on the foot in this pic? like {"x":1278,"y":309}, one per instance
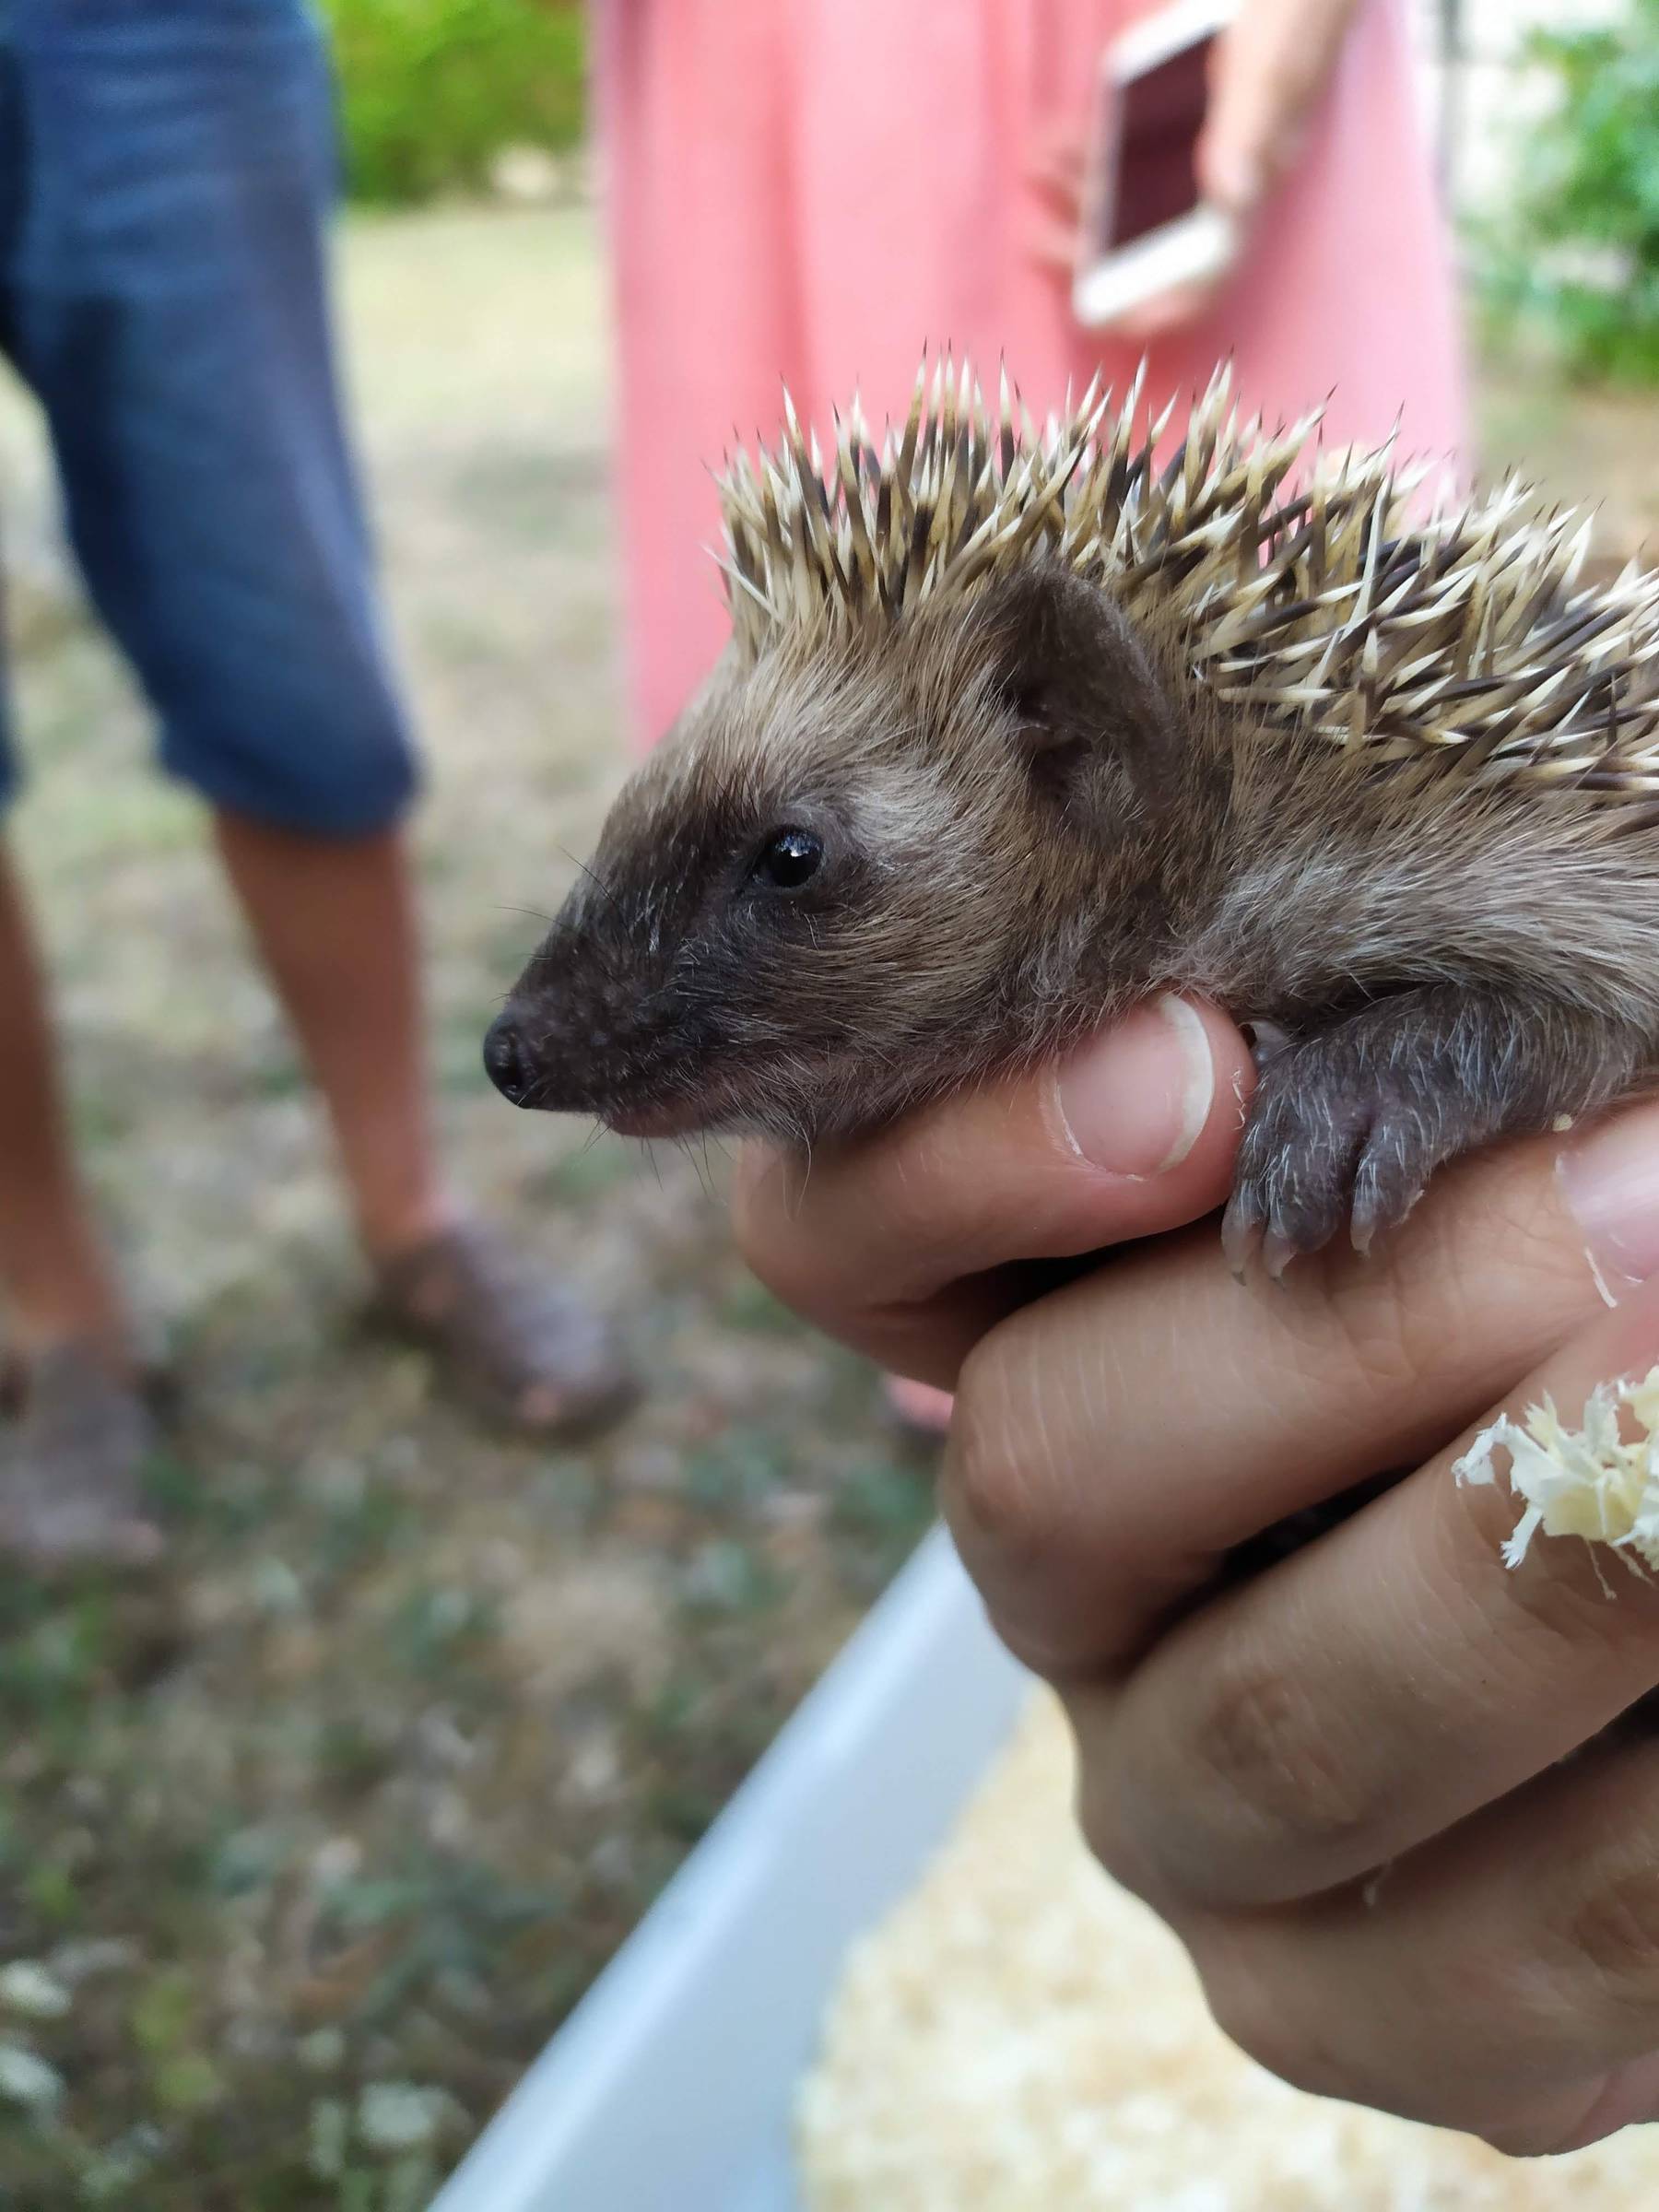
{"x":71,"y":1474}
{"x":1332,"y":1146}
{"x":1348,"y":1126}
{"x":519,"y":1348}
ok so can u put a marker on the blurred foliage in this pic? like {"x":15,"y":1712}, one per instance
{"x":1579,"y":248}
{"x":432,"y":91}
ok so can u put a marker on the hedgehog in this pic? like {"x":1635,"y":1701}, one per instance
{"x":1017,"y":728}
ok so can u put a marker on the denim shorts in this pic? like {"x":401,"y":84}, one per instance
{"x":167,"y":172}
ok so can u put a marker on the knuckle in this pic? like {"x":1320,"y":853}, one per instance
{"x":1287,"y":1790}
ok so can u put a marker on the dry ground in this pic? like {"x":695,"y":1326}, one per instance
{"x":313,"y":1844}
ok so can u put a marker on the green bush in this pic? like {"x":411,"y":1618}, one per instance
{"x":432,"y":90}
{"x":1582,"y":247}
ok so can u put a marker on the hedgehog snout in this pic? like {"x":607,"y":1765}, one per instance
{"x":548,"y":1052}
{"x":540,"y":1049}
{"x":506,"y":1062}
{"x":570,"y":1036}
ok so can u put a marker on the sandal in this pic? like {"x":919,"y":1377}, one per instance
{"x":522,"y":1351}
{"x":71,"y":1475}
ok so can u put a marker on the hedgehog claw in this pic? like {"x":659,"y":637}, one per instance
{"x":1335,"y":1143}
{"x":1278,"y":1252}
{"x":1242,"y":1232}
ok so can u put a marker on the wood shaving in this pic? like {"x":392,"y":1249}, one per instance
{"x":1022,"y":2036}
{"x":1600,"y":1482}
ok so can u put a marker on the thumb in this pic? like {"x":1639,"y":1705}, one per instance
{"x":901,"y":1245}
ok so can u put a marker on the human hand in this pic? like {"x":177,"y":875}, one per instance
{"x":1391,"y":1698}
{"x":1269,"y":68}
{"x":911,"y":1246}
{"x":1272,"y":63}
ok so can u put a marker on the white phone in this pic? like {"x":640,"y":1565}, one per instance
{"x":1146,"y":225}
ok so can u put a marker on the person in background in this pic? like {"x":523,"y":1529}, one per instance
{"x":166,"y":174}
{"x":811,"y":193}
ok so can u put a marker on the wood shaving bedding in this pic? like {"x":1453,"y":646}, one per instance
{"x":1020,"y":2035}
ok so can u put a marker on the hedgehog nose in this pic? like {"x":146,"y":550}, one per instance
{"x":506,"y":1062}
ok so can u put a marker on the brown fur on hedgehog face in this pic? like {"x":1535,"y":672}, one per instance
{"x":857,"y":874}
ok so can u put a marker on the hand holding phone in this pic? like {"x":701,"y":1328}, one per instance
{"x":1147,"y":228}
{"x":1200,"y":108}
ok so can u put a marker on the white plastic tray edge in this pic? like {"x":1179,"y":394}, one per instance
{"x":669,"y":2088}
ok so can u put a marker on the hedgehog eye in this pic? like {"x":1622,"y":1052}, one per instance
{"x":788,"y":860}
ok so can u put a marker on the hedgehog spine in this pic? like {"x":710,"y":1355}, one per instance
{"x":1466,"y":639}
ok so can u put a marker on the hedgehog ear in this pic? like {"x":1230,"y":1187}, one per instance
{"x":1092,"y":715}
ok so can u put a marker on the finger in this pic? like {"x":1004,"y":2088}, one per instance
{"x":1172,"y":310}
{"x":1054,"y":246}
{"x":1112,"y":1443}
{"x":1503,"y":1981}
{"x":1059,"y":177}
{"x":1271,"y":65}
{"x":900,"y":1244}
{"x":1062,"y":147}
{"x":1376,"y":1690}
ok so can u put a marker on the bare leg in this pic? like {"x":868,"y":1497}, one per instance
{"x":335,"y":921}
{"x":57,"y":1284}
{"x":71,"y":1475}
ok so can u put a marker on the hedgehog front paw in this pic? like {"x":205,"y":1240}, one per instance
{"x":1331,"y":1143}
